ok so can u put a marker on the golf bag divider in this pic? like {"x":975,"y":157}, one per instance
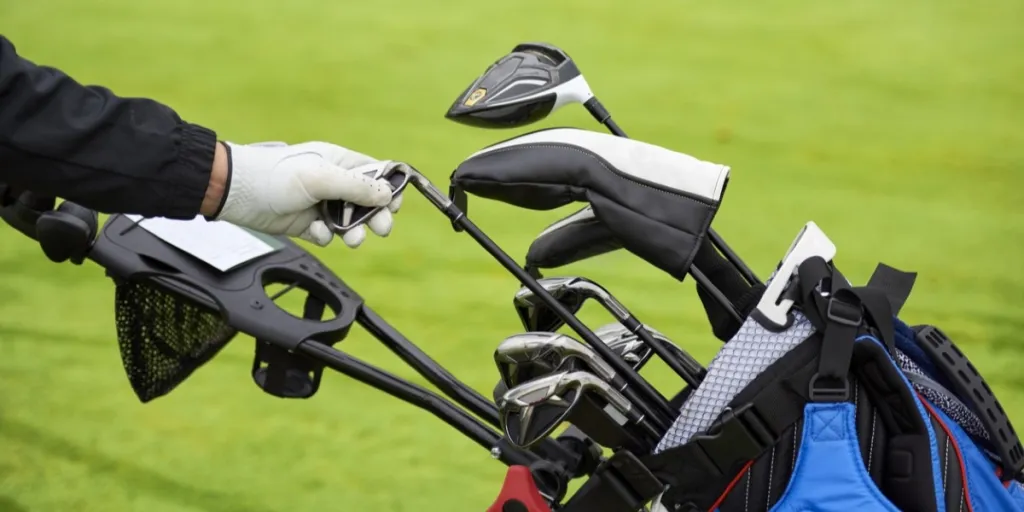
{"x":165,"y":284}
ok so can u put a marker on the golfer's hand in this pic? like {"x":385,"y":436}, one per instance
{"x":274,"y":188}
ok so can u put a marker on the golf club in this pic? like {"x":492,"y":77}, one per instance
{"x":529,"y":356}
{"x":573,"y":292}
{"x":527,"y":85}
{"x":628,"y":345}
{"x":624,"y":343}
{"x":651,"y":403}
{"x":532,"y":410}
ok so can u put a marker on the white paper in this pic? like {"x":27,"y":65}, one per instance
{"x":220,"y":244}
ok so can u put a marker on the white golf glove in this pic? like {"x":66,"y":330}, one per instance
{"x":275,"y":188}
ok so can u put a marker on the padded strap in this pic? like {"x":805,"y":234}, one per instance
{"x":895,"y":284}
{"x":701,"y":468}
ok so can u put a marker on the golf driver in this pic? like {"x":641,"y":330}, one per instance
{"x":572,"y":292}
{"x":532,"y":410}
{"x":527,"y":85}
{"x":650,"y":402}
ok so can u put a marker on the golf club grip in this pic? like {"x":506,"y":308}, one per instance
{"x":721,"y":273}
{"x":729,"y":298}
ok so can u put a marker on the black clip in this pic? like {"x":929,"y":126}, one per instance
{"x":459,"y":199}
{"x":739,"y":434}
{"x":843,"y":312}
{"x":819,"y":392}
{"x":621,"y":484}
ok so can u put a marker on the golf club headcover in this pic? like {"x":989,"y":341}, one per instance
{"x":657,"y":203}
{"x":574,"y":238}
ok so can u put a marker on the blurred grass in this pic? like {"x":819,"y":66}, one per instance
{"x":897,"y":127}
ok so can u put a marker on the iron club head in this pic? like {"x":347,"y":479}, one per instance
{"x":532,"y":410}
{"x":527,"y":356}
{"x":572,"y":292}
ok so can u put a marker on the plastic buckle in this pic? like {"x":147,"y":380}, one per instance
{"x":825,"y":393}
{"x":844,"y":313}
{"x":621,"y":484}
{"x":458,"y":198}
{"x":740,"y":434}
{"x":6,"y":195}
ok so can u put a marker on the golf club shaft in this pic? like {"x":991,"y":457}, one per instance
{"x":680,"y":362}
{"x":602,"y":116}
{"x":659,"y":408}
{"x":596,"y":109}
{"x":415,"y":395}
{"x":647,"y":398}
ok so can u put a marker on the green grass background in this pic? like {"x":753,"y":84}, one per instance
{"x":896,"y":126}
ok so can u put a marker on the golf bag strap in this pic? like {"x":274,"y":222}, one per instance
{"x":623,"y":483}
{"x":839,"y":312}
{"x":895,"y":284}
{"x":697,"y":472}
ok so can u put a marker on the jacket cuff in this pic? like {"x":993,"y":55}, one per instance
{"x":190,"y":172}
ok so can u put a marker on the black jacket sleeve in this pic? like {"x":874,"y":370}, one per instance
{"x":87,"y":145}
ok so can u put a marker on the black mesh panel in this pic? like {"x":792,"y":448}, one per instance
{"x":164,"y":337}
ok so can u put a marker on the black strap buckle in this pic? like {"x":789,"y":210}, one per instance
{"x":843,"y":312}
{"x":621,"y":484}
{"x":825,"y":388}
{"x":739,"y":435}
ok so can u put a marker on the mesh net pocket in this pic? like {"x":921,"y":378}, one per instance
{"x":164,"y":337}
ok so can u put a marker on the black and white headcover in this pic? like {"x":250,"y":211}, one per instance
{"x":656,"y":202}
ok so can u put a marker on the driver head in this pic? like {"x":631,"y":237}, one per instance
{"x":521,"y":88}
{"x":527,"y":356}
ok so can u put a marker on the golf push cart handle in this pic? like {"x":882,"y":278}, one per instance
{"x":131,"y":254}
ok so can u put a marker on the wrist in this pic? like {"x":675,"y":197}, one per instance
{"x":220,"y":179}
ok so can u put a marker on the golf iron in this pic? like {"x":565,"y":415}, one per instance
{"x":651,"y":403}
{"x":532,"y":410}
{"x":572,"y":292}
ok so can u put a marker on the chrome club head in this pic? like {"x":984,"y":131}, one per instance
{"x":532,"y":410}
{"x":527,"y":356}
{"x":572,"y":292}
{"x":535,"y":315}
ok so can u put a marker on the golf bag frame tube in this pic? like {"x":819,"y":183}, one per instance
{"x":437,"y":375}
{"x":427,"y":367}
{"x":415,"y":395}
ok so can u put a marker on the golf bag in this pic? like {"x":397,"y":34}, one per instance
{"x":845,"y":408}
